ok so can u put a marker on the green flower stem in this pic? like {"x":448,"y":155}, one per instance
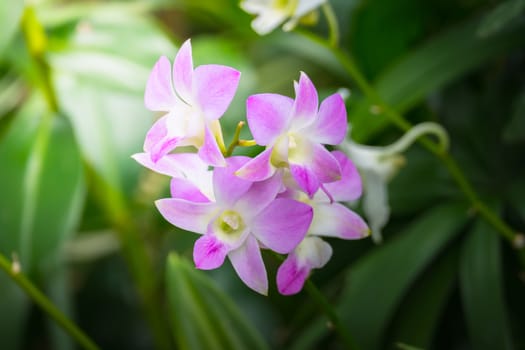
{"x":235,"y":141}
{"x":329,"y":311}
{"x":13,"y":270}
{"x":333,"y":26}
{"x":450,"y":163}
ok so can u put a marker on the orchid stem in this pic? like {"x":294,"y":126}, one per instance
{"x":333,"y":26}
{"x":329,"y":311}
{"x":235,"y":141}
{"x":13,"y":271}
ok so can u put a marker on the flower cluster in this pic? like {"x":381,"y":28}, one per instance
{"x":284,"y":199}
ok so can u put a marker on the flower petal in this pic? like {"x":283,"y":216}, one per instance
{"x":209,"y":253}
{"x":305,"y":178}
{"x":336,"y":220}
{"x":305,"y":104}
{"x":214,"y":87}
{"x":268,"y":115}
{"x":248,"y":263}
{"x":282,"y":224}
{"x":185,"y":189}
{"x":258,"y":168}
{"x":350,"y":186}
{"x":183,"y":72}
{"x":227,"y":186}
{"x":159,"y":95}
{"x":187,"y":165}
{"x":259,"y":196}
{"x":311,"y":253}
{"x":267,"y":21}
{"x":331,"y":126}
{"x":210,"y":152}
{"x":190,"y":216}
{"x":163,"y":136}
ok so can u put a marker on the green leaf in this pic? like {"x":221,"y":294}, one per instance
{"x":14,"y":304}
{"x":430,"y":67}
{"x":100,"y":77}
{"x":10,"y":13}
{"x":500,"y":17}
{"x":515,"y":129}
{"x":202,"y":316}
{"x":481,"y":283}
{"x":378,"y":282}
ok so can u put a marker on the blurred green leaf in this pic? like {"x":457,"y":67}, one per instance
{"x":515,"y":129}
{"x":430,"y":67}
{"x":422,"y":308}
{"x":202,"y":316}
{"x":500,"y":17}
{"x":481,"y":283}
{"x":100,"y":77}
{"x":378,"y":282}
{"x":42,"y":186}
{"x":10,"y":13}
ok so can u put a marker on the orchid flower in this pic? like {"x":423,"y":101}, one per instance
{"x":272,"y":13}
{"x":236,"y":220}
{"x":193,"y":100}
{"x":294,"y":132}
{"x":379,"y":164}
{"x":330,"y":219}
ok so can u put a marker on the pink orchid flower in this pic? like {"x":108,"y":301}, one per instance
{"x":294,"y":132}
{"x":193,"y":100}
{"x":330,"y":219}
{"x":239,"y":218}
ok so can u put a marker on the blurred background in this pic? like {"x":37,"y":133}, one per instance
{"x":77,"y":212}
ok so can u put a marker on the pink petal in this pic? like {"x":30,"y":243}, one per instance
{"x":174,"y":165}
{"x":190,"y":216}
{"x":282,"y":224}
{"x":209,"y":253}
{"x":305,"y":105}
{"x":247,"y":262}
{"x":336,"y":220}
{"x":331,"y":126}
{"x":305,"y":178}
{"x":183,"y":72}
{"x":160,"y":140}
{"x":159,"y":95}
{"x":259,"y":196}
{"x":324,"y":165}
{"x":214,"y":87}
{"x":162,"y":166}
{"x":227,"y":186}
{"x":210,"y":152}
{"x":312,"y":253}
{"x":268,"y":115}
{"x":350,"y":187}
{"x":185,"y":189}
{"x":258,"y":168}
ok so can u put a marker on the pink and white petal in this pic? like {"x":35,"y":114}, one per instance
{"x":282,"y":225}
{"x":305,"y":178}
{"x":258,"y":197}
{"x":162,"y":166}
{"x":185,"y":189}
{"x":183,"y":72}
{"x":159,"y":95}
{"x":187,"y":165}
{"x":291,"y":275}
{"x":268,"y":116}
{"x":324,"y":165}
{"x":248,"y":263}
{"x":306,"y":102}
{"x":163,"y":137}
{"x":209,"y":151}
{"x":331,"y":125}
{"x":311,"y":253}
{"x":258,"y":168}
{"x":188,"y":215}
{"x":350,"y":187}
{"x":336,"y":220}
{"x":214,"y":87}
{"x":209,"y":252}
{"x":227,"y":186}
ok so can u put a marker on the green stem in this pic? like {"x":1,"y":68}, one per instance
{"x":450,"y":163}
{"x":329,"y":311}
{"x":332,"y":24}
{"x":235,"y":141}
{"x":13,"y":270}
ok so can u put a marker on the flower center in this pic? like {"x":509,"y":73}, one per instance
{"x":230,"y":222}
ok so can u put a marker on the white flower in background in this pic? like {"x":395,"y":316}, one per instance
{"x":378,"y":165}
{"x":272,"y":13}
